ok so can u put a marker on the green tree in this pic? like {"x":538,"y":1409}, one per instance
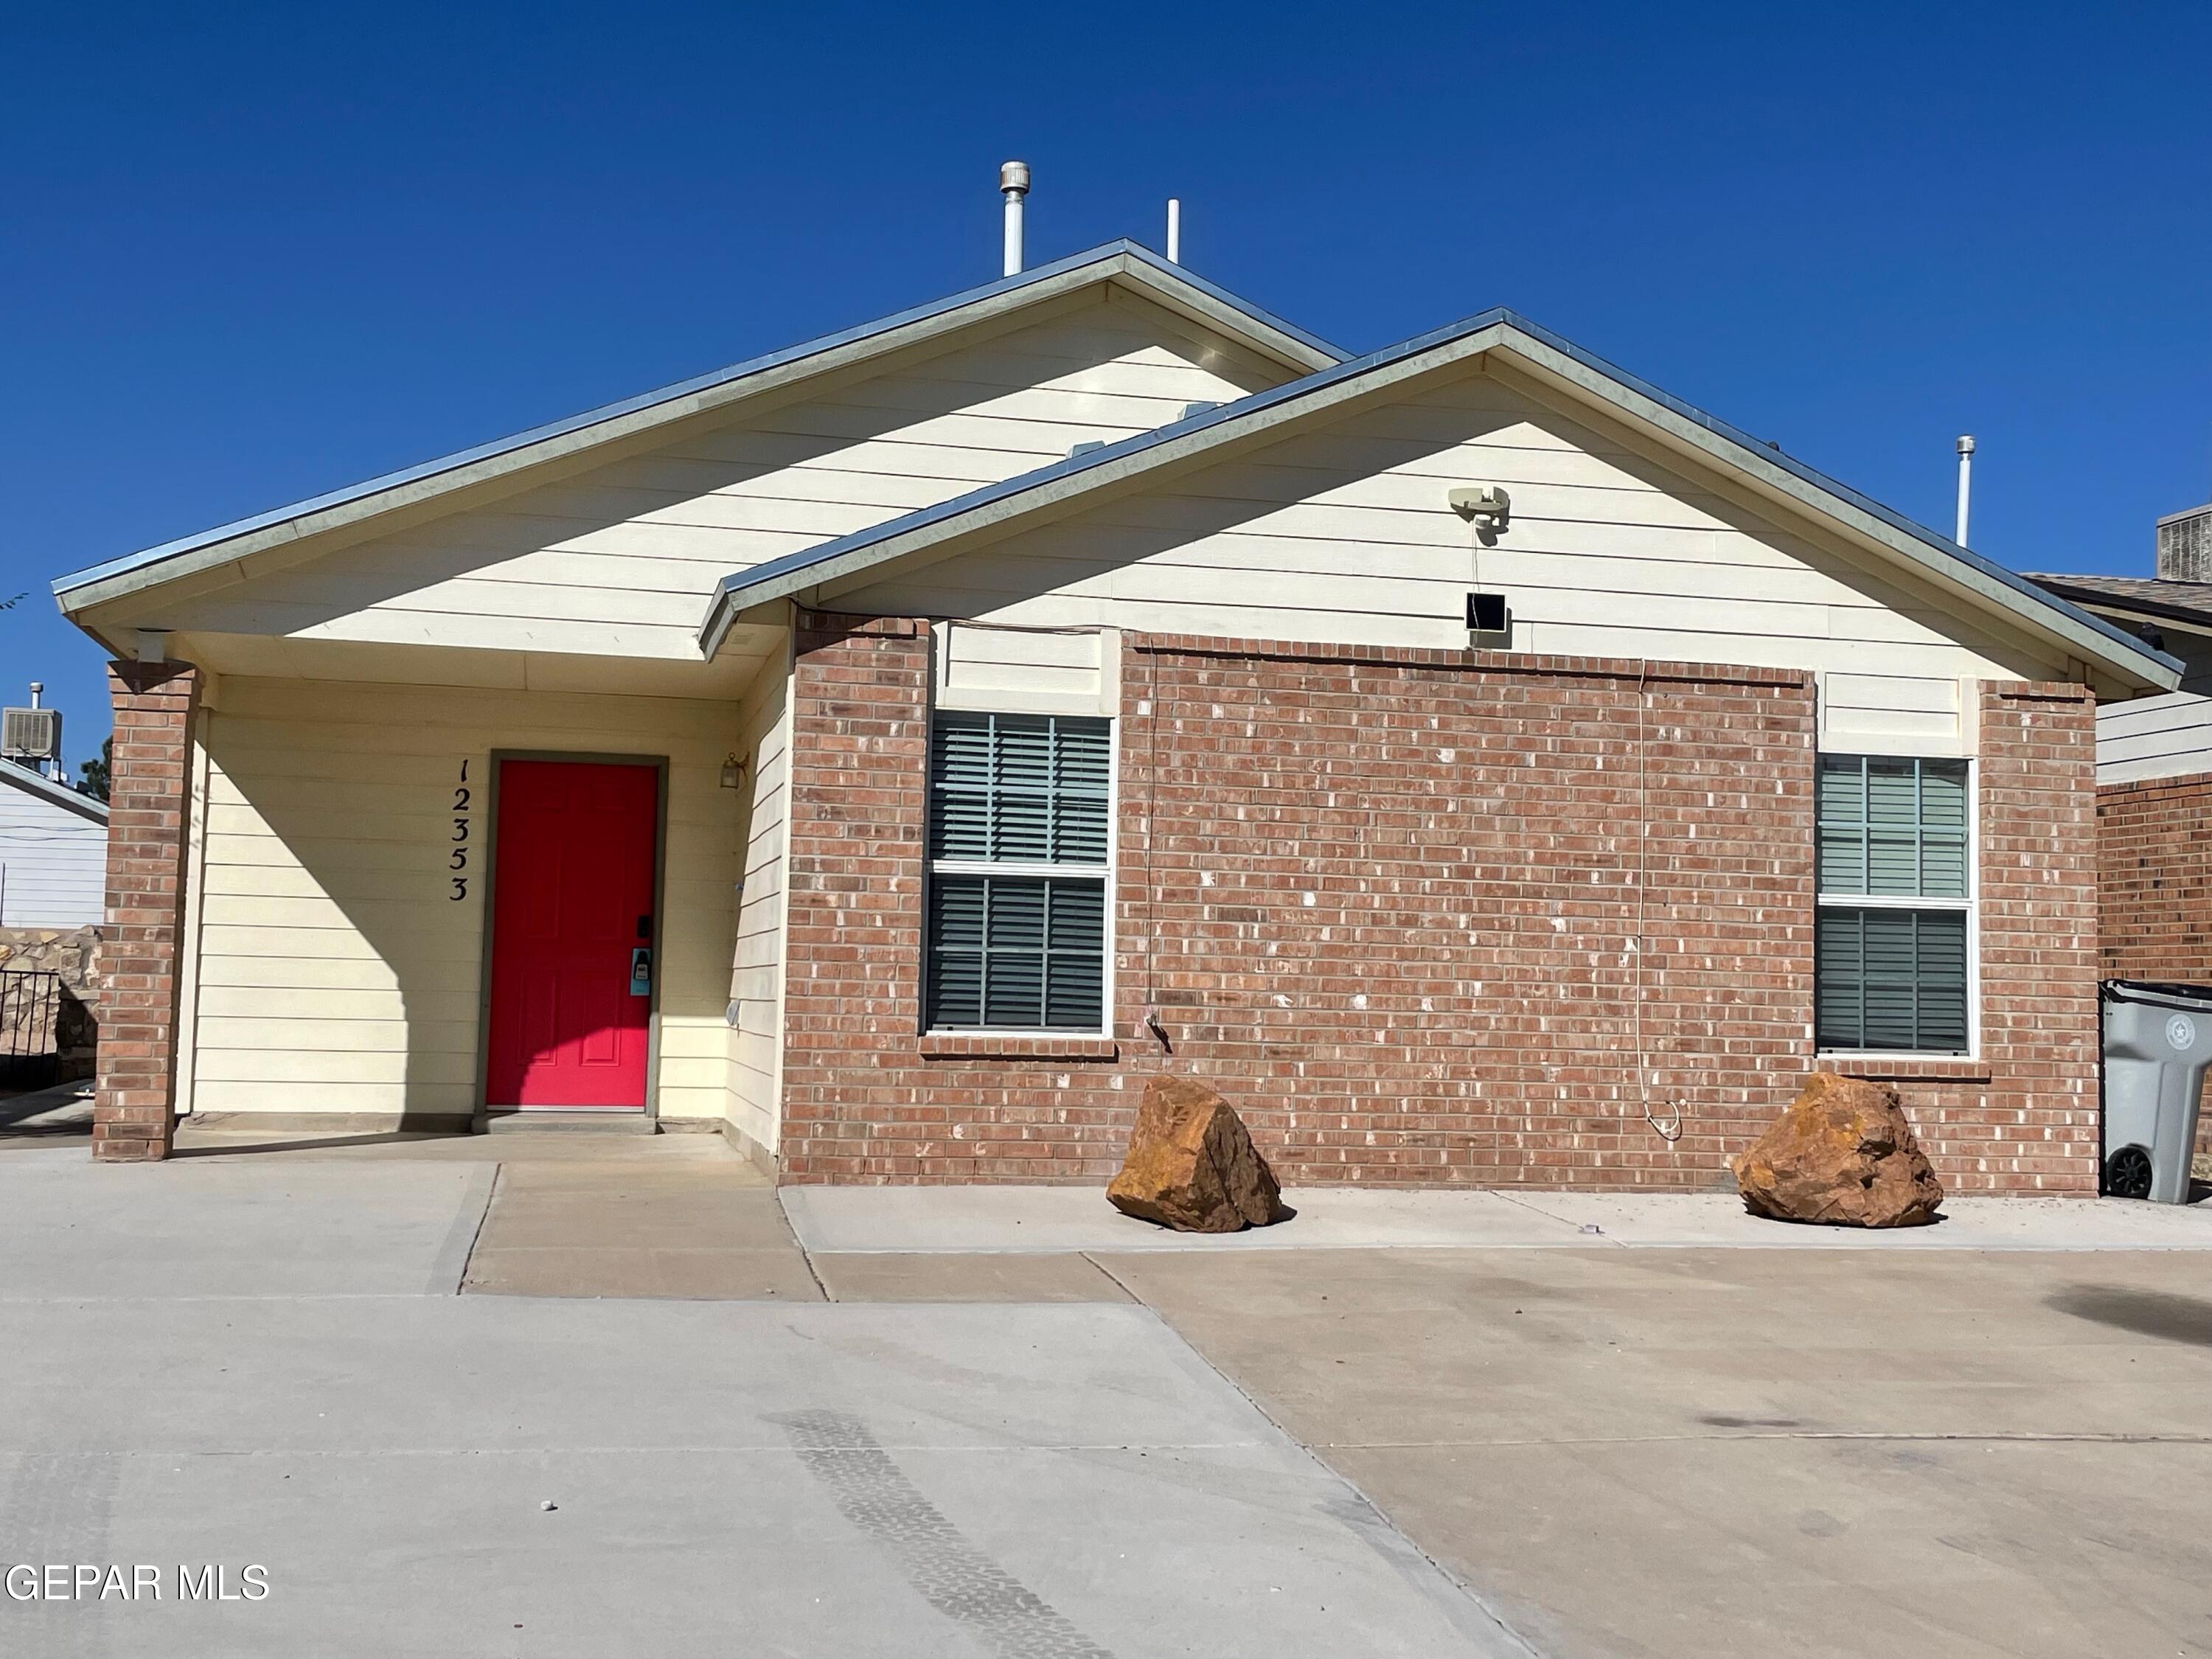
{"x":91,"y":775}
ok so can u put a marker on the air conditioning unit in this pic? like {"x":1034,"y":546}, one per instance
{"x":30,"y":733}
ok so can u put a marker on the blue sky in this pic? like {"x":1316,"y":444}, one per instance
{"x":250,"y":253}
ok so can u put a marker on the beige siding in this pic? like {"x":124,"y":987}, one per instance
{"x":2167,"y":737}
{"x":755,"y":1006}
{"x":336,"y":974}
{"x":1028,"y":670}
{"x":1893,"y":713}
{"x":621,"y":560}
{"x":1344,"y":534}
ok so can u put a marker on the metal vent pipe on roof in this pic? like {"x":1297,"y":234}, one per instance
{"x":1013,"y":185}
{"x":1965,"y":482}
{"x":1175,"y":230}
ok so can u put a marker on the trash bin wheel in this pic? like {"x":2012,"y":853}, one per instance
{"x":2127,"y":1173}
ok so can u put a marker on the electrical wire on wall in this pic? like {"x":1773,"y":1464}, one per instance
{"x":1670,"y":1130}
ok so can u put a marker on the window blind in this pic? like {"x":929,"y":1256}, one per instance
{"x":1895,"y":828}
{"x":1016,"y":953}
{"x":1893,"y":976}
{"x":1019,"y":788}
{"x":1890,"y":980}
{"x":1016,"y":949}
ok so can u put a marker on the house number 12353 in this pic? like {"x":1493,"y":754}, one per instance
{"x":457,"y":858}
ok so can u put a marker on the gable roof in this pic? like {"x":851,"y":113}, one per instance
{"x":1122,"y":261}
{"x":2089,"y":637}
{"x":59,"y":794}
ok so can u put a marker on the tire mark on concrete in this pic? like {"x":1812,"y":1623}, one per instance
{"x":60,"y":1507}
{"x":950,"y":1574}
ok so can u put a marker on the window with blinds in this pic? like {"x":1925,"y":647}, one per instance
{"x":1893,"y":942}
{"x":1020,"y":819}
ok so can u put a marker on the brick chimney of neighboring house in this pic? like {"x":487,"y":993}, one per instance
{"x":2184,"y":546}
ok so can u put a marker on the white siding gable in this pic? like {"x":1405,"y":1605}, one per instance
{"x":621,"y":560}
{"x":1343,"y":534}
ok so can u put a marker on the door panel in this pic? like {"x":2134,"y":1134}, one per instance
{"x":572,"y":883}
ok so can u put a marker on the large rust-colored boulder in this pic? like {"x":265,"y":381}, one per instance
{"x":1842,"y":1154}
{"x":1191,"y":1165}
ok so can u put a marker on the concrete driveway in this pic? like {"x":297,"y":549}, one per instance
{"x":1651,"y":1424}
{"x":1013,"y":1424}
{"x":1699,"y":1452}
{"x":231,"y":1362}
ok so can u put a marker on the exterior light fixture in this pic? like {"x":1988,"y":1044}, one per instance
{"x":1487,"y":506}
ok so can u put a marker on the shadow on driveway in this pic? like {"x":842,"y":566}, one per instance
{"x":2166,"y":1315}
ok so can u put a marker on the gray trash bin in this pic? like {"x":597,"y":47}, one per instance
{"x":2158,"y":1041}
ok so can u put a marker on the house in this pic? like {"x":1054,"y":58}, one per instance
{"x":53,"y":853}
{"x":2154,"y":765}
{"x":1482,"y":766}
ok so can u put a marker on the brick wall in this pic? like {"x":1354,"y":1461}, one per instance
{"x":1388,"y":902}
{"x":134,"y":1111}
{"x":2155,"y":865}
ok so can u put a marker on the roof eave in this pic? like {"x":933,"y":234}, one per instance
{"x":2097,"y":642}
{"x":242,"y":538}
{"x":2091,"y":636}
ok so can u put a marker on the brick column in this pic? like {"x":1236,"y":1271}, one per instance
{"x":149,"y":800}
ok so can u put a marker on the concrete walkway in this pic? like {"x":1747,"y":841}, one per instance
{"x":977,"y":1219}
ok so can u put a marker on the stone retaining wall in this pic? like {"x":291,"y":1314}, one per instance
{"x":73,"y":954}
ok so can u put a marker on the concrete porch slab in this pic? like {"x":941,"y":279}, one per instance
{"x":979,"y":1219}
{"x":687,"y":1226}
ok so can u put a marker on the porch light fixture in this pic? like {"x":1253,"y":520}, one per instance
{"x":733,"y":772}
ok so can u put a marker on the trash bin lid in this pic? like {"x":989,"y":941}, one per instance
{"x":2165,"y":993}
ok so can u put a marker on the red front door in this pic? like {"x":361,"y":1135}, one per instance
{"x":571,"y":910}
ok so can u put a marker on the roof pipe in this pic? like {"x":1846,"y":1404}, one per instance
{"x":1013,"y":185}
{"x":1965,"y":482}
{"x":1175,"y":230}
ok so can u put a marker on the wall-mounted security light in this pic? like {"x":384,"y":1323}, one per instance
{"x":1487,"y":506}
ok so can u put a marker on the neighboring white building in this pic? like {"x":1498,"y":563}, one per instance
{"x":53,"y":853}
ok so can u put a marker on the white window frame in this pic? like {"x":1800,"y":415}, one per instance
{"x":1107,"y":874}
{"x":1971,"y":904}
